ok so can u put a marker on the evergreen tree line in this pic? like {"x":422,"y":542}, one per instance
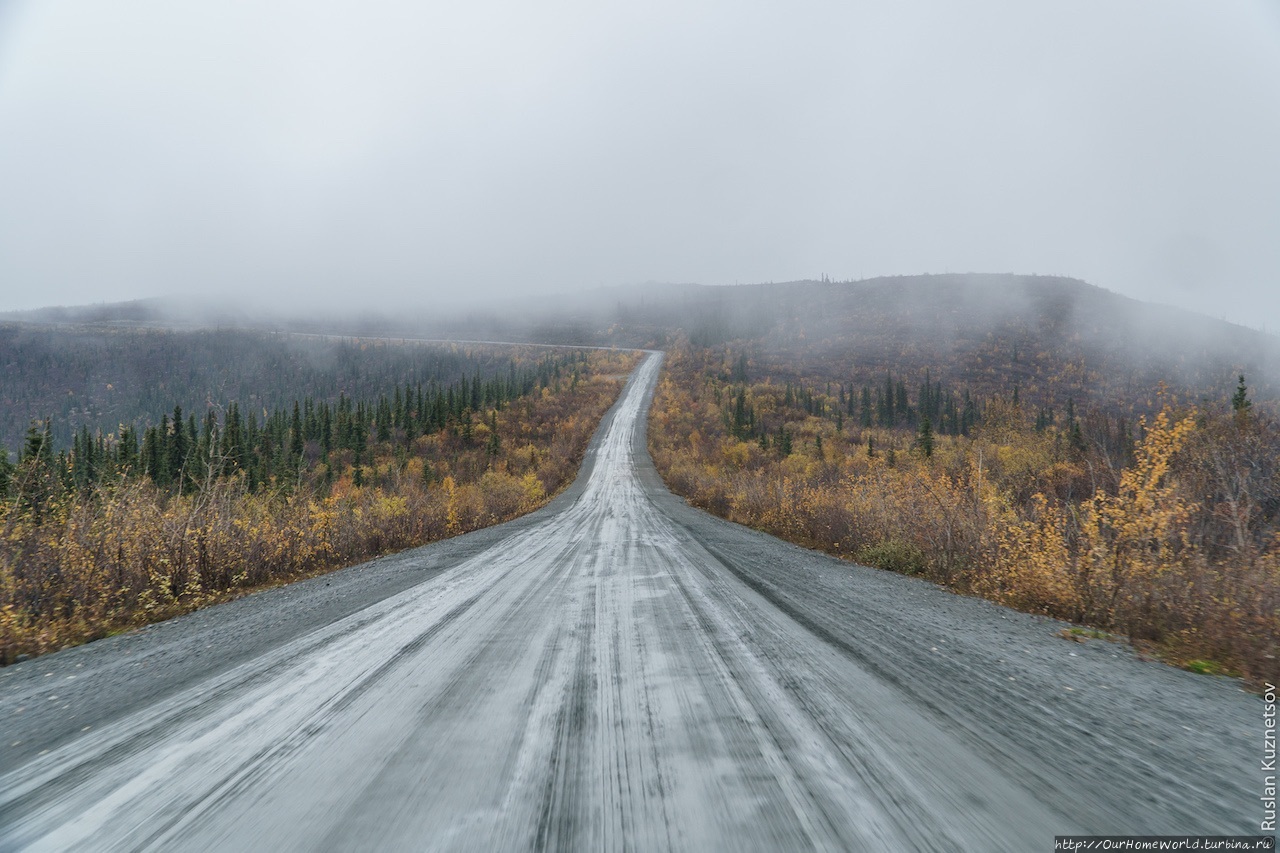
{"x":890,"y":405}
{"x":184,"y":451}
{"x":101,"y":378}
{"x":934,"y":409}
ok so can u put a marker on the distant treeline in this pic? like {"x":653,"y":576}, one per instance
{"x":185,"y":451}
{"x":101,"y":378}
{"x":765,"y":411}
{"x":890,"y":405}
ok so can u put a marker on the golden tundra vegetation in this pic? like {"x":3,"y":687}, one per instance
{"x":134,"y":527}
{"x":1164,"y":529}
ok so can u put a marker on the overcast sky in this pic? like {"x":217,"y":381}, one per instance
{"x":367,"y":150}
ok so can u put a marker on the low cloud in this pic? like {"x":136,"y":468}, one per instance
{"x":390,"y":152}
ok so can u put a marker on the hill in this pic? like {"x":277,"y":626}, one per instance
{"x":1054,"y":338}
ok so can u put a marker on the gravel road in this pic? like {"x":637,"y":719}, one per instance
{"x":617,"y":670}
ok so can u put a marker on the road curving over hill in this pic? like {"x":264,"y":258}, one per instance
{"x":616,"y":670}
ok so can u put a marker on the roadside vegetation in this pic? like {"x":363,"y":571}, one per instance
{"x":1162,"y":526}
{"x":157,"y":519}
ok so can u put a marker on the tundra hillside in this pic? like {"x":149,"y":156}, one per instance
{"x":1161,"y":525}
{"x":159,"y":519}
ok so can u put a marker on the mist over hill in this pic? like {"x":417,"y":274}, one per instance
{"x":1053,"y":338}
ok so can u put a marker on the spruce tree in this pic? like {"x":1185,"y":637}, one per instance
{"x":924,"y":439}
{"x":297,"y":442}
{"x":84,"y":461}
{"x":360,"y":431}
{"x":177,"y":447}
{"x":740,"y":414}
{"x":38,"y":444}
{"x":154,"y":461}
{"x":494,"y":445}
{"x":383,"y":419}
{"x":233,"y":438}
{"x":326,"y":430}
{"x":127,"y":452}
{"x":35,"y":479}
{"x":1240,"y":402}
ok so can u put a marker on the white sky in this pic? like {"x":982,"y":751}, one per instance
{"x":376,"y":151}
